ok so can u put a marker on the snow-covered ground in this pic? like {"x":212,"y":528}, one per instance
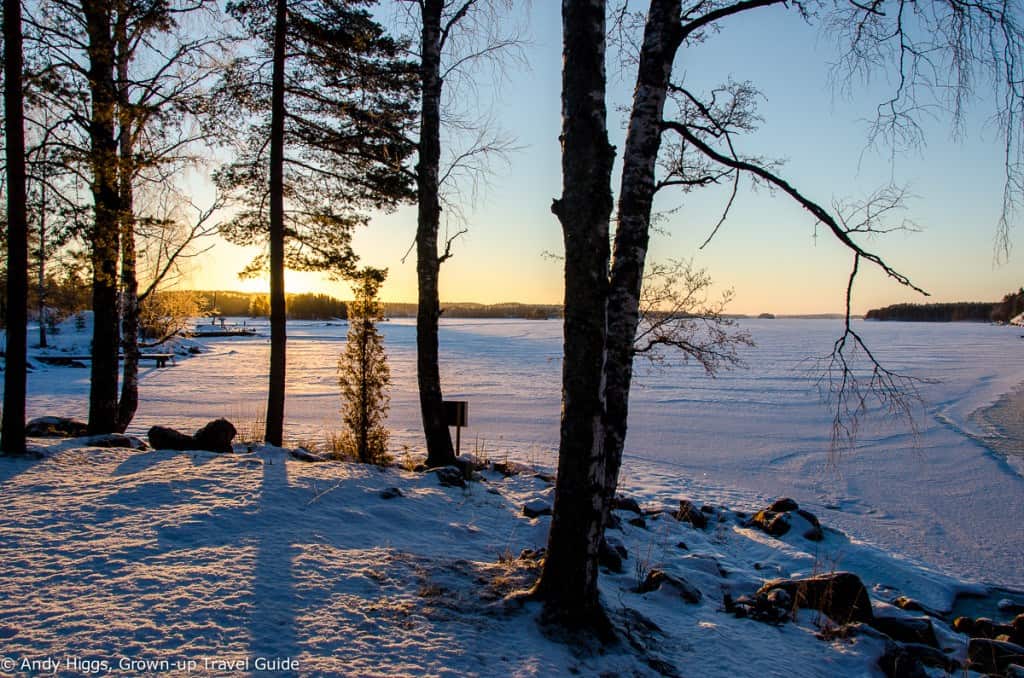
{"x":194,"y":555}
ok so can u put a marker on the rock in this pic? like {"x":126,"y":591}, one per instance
{"x":814,"y":532}
{"x":55,"y":427}
{"x":761,"y":607}
{"x":911,"y":605}
{"x":898,"y":662}
{"x":963,"y":625}
{"x":302,"y":454}
{"x":840,"y":595}
{"x":1010,"y":606}
{"x":163,"y":438}
{"x":620,"y":503}
{"x":779,"y":598}
{"x":655,"y":579}
{"x":111,"y":440}
{"x":509,"y":468}
{"x":982,"y":627}
{"x":449,"y":476}
{"x":932,"y":656}
{"x":216,"y":436}
{"x":688,"y":513}
{"x":610,"y":557}
{"x":907,"y":629}
{"x":1018,"y":629}
{"x":770,"y":522}
{"x":993,"y":656}
{"x":782,"y":505}
{"x":390,"y":493}
{"x":536,"y":508}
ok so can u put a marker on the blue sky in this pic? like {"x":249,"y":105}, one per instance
{"x":767,"y":252}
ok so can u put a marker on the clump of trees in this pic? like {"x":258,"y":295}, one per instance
{"x":977,"y":311}
{"x":303,"y":306}
{"x":364,"y":376}
{"x":1011,"y":306}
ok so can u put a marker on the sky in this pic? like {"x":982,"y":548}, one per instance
{"x":768,"y":252}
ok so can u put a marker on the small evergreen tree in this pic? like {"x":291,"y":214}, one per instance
{"x":364,"y":376}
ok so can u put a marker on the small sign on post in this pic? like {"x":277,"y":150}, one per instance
{"x":456,"y":413}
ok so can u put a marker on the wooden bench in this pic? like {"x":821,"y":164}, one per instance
{"x":160,"y":358}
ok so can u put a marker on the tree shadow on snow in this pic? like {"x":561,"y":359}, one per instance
{"x":272,"y":622}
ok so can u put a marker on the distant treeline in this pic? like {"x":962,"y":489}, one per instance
{"x":322,"y":307}
{"x":305,"y":306}
{"x":978,"y":311}
{"x":472,"y":310}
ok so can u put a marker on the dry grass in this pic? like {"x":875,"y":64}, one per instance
{"x":251,"y":425}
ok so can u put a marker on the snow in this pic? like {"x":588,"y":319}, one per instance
{"x":162,"y":555}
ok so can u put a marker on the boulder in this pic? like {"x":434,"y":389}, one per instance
{"x":932,"y":656}
{"x":655,"y":579}
{"x":898,"y":662}
{"x":620,"y":503}
{"x":55,"y":427}
{"x":813,"y":532}
{"x":764,"y":608}
{"x":770,"y":522}
{"x":449,"y":476}
{"x":688,"y":513}
{"x":216,"y":436}
{"x":164,"y":438}
{"x":985,"y":655}
{"x":783,"y":504}
{"x":907,"y":629}
{"x":302,"y":454}
{"x":536,"y":508}
{"x":982,"y":627}
{"x":390,"y":493}
{"x":112,"y":440}
{"x":911,"y":605}
{"x":840,"y":595}
{"x":611,"y":555}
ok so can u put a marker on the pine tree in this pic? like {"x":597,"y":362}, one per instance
{"x":327,"y":143}
{"x":364,"y":376}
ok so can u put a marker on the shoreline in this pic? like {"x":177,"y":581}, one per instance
{"x":1002,"y":427}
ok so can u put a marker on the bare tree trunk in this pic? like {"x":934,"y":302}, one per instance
{"x":105,"y":235}
{"x":13,"y":423}
{"x":278,"y":314}
{"x":568,"y":583}
{"x":643,"y":140}
{"x":42,"y":267}
{"x":129,"y":402}
{"x":428,"y":263}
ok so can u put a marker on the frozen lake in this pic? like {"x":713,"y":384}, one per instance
{"x":941,"y":496}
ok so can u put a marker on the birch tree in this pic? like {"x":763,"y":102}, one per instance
{"x":934,"y":50}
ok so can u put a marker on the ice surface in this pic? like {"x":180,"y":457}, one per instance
{"x":941,"y":496}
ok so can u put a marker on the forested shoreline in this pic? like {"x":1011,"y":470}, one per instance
{"x":1003,"y":311}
